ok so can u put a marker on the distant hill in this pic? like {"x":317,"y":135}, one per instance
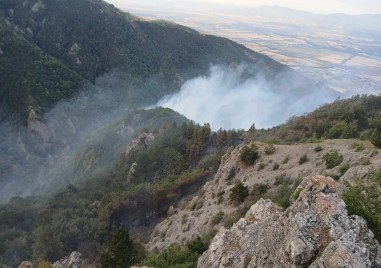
{"x":30,"y":77}
{"x":366,"y":25}
{"x":356,"y":117}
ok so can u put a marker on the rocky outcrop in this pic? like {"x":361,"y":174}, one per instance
{"x":73,"y":261}
{"x":131,"y":172}
{"x":25,"y":264}
{"x":198,"y":216}
{"x":38,"y":6}
{"x":37,"y":126}
{"x":144,"y":140}
{"x":141,"y":142}
{"x":315,"y":231}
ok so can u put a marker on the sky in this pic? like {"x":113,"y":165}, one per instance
{"x":315,"y":6}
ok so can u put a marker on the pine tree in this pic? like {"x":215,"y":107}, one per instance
{"x":376,"y":137}
{"x":120,"y":252}
{"x":239,"y":192}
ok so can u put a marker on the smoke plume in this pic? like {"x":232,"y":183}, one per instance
{"x":227,"y":99}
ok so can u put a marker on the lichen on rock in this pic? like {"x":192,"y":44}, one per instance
{"x":315,"y":231}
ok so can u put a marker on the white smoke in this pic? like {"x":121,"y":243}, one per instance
{"x":227,"y":101}
{"x":95,"y":121}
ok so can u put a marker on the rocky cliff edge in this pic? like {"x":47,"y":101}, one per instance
{"x":316,"y":231}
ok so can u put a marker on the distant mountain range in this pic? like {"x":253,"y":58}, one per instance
{"x":358,"y":25}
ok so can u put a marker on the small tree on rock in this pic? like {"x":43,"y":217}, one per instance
{"x":249,"y":154}
{"x":239,"y":192}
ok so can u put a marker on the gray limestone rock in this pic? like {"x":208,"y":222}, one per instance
{"x":315,"y":231}
{"x":25,"y":264}
{"x":73,"y":261}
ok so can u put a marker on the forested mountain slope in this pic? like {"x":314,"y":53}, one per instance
{"x":52,"y":47}
{"x":192,"y":179}
{"x":71,"y":68}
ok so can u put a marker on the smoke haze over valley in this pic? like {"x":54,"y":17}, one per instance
{"x":227,"y":99}
{"x":78,"y":139}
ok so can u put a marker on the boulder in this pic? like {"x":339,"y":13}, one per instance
{"x":315,"y":231}
{"x":73,"y":261}
{"x":25,"y":264}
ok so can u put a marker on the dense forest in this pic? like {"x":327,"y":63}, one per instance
{"x":84,"y":217}
{"x":356,"y":117}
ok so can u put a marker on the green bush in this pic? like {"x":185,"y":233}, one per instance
{"x":343,"y":168}
{"x":341,"y":119}
{"x":286,"y":159}
{"x":283,"y":192}
{"x":220,"y":193}
{"x":375,"y":137}
{"x":334,"y":176}
{"x":376,"y":176}
{"x":358,"y":147}
{"x":46,"y":235}
{"x":249,"y":154}
{"x":260,"y":189}
{"x":281,"y":178}
{"x":269,"y":149}
{"x":332,"y":159}
{"x":172,"y":257}
{"x":198,"y":245}
{"x":365,"y":162}
{"x":303,"y":159}
{"x":230,"y":219}
{"x":239,"y":192}
{"x":120,"y":251}
{"x":364,"y":201}
{"x":261,"y":166}
{"x":217,"y":218}
{"x":43,"y":264}
{"x":318,"y":148}
{"x":343,"y":130}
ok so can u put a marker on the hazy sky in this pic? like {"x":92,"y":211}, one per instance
{"x":316,"y":6}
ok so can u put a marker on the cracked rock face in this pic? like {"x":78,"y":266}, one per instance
{"x":315,"y":231}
